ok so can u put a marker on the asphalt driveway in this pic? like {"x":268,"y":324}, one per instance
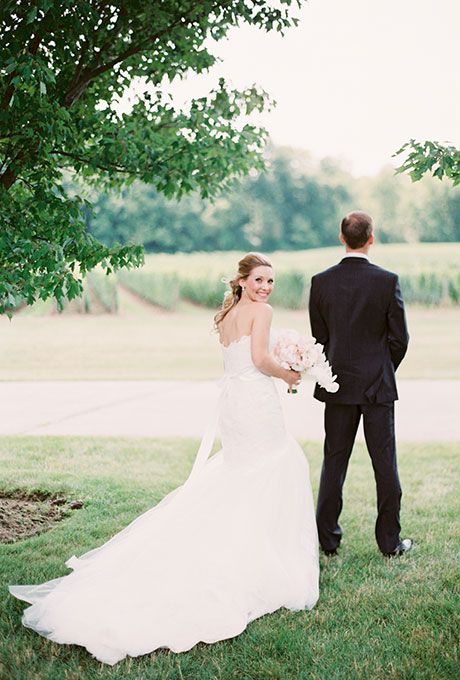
{"x":428,"y":410}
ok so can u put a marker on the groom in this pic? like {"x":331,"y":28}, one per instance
{"x":357,"y":313}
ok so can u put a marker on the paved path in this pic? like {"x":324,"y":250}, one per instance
{"x":427,"y":410}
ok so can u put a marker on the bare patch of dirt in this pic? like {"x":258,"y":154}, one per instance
{"x":23,"y":515}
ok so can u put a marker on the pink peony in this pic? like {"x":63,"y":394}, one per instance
{"x":305,"y":355}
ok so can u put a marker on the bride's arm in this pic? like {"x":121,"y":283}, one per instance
{"x":260,"y":351}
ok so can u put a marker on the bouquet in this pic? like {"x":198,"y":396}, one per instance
{"x":306,"y":356}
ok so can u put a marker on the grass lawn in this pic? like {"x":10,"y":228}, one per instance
{"x":145,"y":343}
{"x":375,"y":619}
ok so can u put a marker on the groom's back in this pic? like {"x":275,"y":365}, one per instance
{"x":351,"y":306}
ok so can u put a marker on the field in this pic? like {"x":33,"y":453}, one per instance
{"x":139,"y":340}
{"x":376,"y":618}
{"x":143,"y":342}
{"x":400,"y":257}
{"x":429,"y":274}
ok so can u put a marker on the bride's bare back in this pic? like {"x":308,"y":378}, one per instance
{"x":252,"y":316}
{"x":237,"y":323}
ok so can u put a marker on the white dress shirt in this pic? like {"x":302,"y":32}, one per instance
{"x":357,"y":255}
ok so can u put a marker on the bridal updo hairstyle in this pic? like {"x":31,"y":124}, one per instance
{"x":233,"y":296}
{"x":356,"y":228}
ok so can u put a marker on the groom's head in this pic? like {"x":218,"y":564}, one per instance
{"x":357,"y":230}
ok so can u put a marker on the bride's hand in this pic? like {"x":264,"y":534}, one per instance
{"x":292,"y":378}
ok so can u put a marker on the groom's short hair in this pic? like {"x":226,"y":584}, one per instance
{"x":356,"y":228}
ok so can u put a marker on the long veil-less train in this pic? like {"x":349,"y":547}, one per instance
{"x":236,"y":541}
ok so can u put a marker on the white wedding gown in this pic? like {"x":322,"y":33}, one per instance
{"x":236,"y":541}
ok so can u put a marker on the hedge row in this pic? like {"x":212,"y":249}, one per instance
{"x":291,"y":290}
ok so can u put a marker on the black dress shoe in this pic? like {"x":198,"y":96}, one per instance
{"x":404,"y":546}
{"x":330,"y":553}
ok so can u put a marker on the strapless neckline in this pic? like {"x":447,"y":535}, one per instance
{"x":234,"y":342}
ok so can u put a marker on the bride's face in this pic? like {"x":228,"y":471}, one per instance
{"x":259,"y":284}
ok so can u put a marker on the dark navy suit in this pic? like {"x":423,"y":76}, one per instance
{"x":357,"y":313}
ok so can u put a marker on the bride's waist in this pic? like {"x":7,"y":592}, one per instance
{"x":248,"y":374}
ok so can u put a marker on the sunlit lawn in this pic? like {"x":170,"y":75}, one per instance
{"x":144,"y":343}
{"x":375,"y":619}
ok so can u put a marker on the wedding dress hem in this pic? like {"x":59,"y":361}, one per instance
{"x":235,"y":542}
{"x":112,"y":656}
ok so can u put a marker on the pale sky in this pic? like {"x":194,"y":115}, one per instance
{"x":355,"y":80}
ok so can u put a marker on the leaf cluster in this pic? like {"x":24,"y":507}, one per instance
{"x":441,"y":160}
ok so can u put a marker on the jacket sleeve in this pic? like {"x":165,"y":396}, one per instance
{"x":318,"y":326}
{"x":398,"y":336}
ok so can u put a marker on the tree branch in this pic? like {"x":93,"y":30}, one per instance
{"x":107,"y":168}
{"x":77,"y":90}
{"x":79,"y":68}
{"x":99,"y":8}
{"x":114,"y":32}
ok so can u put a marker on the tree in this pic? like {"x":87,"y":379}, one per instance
{"x":294,"y":204}
{"x":301,"y":208}
{"x":65,"y":64}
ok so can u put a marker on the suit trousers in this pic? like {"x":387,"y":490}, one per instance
{"x":341,"y":423}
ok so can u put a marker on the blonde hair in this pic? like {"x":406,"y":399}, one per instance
{"x":233,"y":296}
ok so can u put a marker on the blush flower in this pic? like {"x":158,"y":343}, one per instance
{"x":304,"y":355}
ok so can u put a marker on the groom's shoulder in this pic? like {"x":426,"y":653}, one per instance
{"x":326,"y":273}
{"x":382,"y":272}
{"x":372,"y":270}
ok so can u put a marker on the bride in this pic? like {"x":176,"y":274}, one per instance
{"x":238,"y":540}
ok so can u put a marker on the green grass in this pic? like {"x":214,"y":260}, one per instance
{"x":142,"y":342}
{"x":375,"y":618}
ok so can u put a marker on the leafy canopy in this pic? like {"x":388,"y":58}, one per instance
{"x":64,"y":65}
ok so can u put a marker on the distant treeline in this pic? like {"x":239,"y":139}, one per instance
{"x":296,"y":204}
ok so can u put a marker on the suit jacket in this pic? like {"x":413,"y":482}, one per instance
{"x":357,"y":313}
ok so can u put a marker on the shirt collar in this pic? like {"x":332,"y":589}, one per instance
{"x":363,"y":255}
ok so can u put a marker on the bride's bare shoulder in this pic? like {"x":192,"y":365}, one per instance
{"x":262,"y":310}
{"x":262,"y":315}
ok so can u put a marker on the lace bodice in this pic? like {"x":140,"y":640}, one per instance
{"x":238,"y":360}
